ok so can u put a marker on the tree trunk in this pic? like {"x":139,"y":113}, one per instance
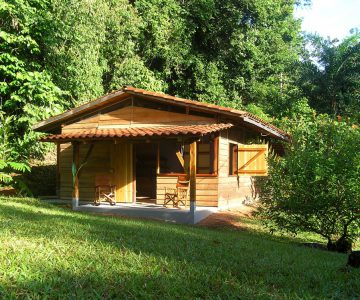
{"x":342,"y":245}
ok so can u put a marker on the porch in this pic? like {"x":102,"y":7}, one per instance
{"x":143,"y":210}
{"x":151,"y":211}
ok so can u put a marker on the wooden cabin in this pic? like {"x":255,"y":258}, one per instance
{"x":145,"y":140}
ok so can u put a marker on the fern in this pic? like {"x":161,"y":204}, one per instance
{"x":3,"y":164}
{"x":20,"y":167}
{"x":5,"y":178}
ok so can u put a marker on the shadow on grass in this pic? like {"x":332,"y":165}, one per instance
{"x":106,"y":257}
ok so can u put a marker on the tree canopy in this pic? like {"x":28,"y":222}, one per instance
{"x":330,"y":76}
{"x":231,"y":52}
{"x":56,"y":54}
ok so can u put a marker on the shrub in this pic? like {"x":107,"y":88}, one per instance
{"x":315,"y":187}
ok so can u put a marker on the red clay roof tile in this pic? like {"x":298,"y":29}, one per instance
{"x":139,"y":132}
{"x":235,"y":112}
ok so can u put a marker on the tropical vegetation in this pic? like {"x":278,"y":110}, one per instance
{"x":248,"y":54}
{"x":315,"y":187}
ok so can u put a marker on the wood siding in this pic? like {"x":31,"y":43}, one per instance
{"x":232,"y":190}
{"x":134,"y":116}
{"x":105,"y":158}
{"x":206,"y":189}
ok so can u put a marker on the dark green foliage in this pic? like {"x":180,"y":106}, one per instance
{"x":11,"y":163}
{"x":315,"y":187}
{"x":27,"y":94}
{"x":229,"y":52}
{"x":56,"y":54}
{"x":42,"y":180}
{"x":330,"y":76}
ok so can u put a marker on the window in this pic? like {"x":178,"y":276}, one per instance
{"x":233,"y":159}
{"x":175,"y":157}
{"x":169,"y":161}
{"x":206,"y":157}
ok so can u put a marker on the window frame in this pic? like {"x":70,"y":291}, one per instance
{"x":215,"y":142}
{"x":233,"y":159}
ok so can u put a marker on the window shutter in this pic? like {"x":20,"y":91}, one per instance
{"x":252,"y":160}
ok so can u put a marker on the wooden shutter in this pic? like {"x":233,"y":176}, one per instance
{"x":252,"y":159}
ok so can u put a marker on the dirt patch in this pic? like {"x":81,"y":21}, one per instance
{"x":233,"y":218}
{"x":7,"y":191}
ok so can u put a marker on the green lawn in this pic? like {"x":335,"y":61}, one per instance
{"x":48,"y":251}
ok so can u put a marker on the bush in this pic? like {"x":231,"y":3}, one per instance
{"x":315,"y":187}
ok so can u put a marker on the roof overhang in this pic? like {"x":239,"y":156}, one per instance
{"x":138,"y":132}
{"x":267,"y":129}
{"x":79,"y":110}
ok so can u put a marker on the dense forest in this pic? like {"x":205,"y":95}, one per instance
{"x":244,"y":54}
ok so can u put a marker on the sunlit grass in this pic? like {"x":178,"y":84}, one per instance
{"x":47,"y":251}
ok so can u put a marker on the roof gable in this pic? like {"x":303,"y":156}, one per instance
{"x":242,"y":117}
{"x":134,"y":116}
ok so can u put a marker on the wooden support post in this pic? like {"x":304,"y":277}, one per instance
{"x":158,"y":159}
{"x":134,"y":174}
{"x":58,"y":150}
{"x":193,"y":160}
{"x":216,"y":155}
{"x":75,"y":175}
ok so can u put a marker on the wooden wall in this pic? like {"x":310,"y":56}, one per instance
{"x":104,"y":160}
{"x":99,"y":161}
{"x":232,"y":190}
{"x":133,"y":116}
{"x":105,"y":157}
{"x":206,"y":189}
{"x":223,"y":191}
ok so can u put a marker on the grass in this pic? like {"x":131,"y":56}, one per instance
{"x":51,"y":252}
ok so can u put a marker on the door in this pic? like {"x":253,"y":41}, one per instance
{"x":122,"y":166}
{"x":146,"y":157}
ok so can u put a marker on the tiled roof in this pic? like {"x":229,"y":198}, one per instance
{"x":229,"y":114}
{"x":217,"y":108}
{"x":139,"y":132}
{"x":130,"y":89}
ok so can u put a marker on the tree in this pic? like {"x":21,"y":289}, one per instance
{"x":315,"y":187}
{"x":331,"y":75}
{"x":10,"y":169}
{"x":228,"y":52}
{"x":55,"y":54}
{"x":27,"y":93}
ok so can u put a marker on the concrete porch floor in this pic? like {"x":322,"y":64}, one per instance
{"x":146,"y":210}
{"x":151,"y":211}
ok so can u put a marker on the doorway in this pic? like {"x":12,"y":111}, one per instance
{"x":146,"y":156}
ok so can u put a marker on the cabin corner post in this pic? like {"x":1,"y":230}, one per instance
{"x":75,"y":175}
{"x":193,"y":160}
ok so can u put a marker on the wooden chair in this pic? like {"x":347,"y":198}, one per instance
{"x":179,"y":194}
{"x":104,"y":190}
